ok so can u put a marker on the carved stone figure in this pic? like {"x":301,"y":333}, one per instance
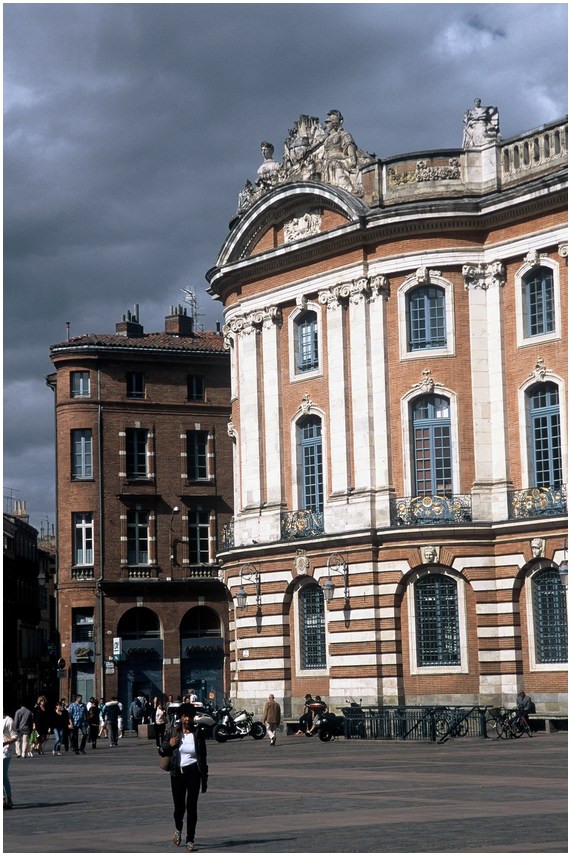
{"x":481,"y":125}
{"x":312,"y":152}
{"x":430,"y":554}
{"x":538,"y":548}
{"x":268,"y":171}
{"x":304,"y":226}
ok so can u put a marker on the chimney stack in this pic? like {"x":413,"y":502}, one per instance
{"x":130,"y":326}
{"x":178,"y":323}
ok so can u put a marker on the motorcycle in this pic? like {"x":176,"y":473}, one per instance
{"x":329,"y":726}
{"x":231,"y":727}
{"x":206,"y":716}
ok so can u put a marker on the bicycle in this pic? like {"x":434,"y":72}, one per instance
{"x":516,"y":724}
{"x":507,"y":724}
{"x":451,"y":723}
{"x":495,"y":723}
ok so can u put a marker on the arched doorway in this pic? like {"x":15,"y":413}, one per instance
{"x":202,"y":654}
{"x":141,"y":663}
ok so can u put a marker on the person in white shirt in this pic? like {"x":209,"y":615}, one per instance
{"x":186,"y":747}
{"x":10,"y":737}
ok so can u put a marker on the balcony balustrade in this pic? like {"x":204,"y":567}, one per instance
{"x":82,"y":573}
{"x":431,"y":510}
{"x":301,"y":524}
{"x":538,"y":502}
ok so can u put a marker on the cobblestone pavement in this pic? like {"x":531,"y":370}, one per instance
{"x":301,"y":796}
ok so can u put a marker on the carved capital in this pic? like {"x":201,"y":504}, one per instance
{"x":484,"y":276}
{"x":562,"y":250}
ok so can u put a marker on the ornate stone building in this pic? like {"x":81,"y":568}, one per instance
{"x":397,"y":331}
{"x":144,"y":489}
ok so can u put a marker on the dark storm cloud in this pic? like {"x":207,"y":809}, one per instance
{"x":130,"y":129}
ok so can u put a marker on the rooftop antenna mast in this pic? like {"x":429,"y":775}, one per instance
{"x":191,"y":300}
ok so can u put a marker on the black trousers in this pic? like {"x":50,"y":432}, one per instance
{"x":185,"y":789}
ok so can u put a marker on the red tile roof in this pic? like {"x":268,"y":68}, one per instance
{"x":202,"y":342}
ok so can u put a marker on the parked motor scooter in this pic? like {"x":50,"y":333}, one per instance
{"x":231,"y":727}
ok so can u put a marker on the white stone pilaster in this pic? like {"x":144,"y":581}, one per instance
{"x":249,"y":419}
{"x":489,"y":493}
{"x":337,"y":403}
{"x":360,"y":399}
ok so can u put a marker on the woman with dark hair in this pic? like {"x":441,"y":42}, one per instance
{"x":185,"y":745}
{"x":42,"y":722}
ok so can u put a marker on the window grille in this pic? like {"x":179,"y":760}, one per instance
{"x":312,"y":635}
{"x":550,"y":617}
{"x":437,"y":626}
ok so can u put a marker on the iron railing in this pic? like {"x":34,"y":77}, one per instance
{"x":538,"y":502}
{"x":431,"y":510}
{"x":301,"y":524}
{"x":435,"y":723}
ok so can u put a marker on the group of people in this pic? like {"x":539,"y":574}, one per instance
{"x":309,"y":719}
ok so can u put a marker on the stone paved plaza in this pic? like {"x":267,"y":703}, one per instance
{"x":303,"y":796}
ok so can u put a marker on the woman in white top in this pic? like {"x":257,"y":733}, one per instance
{"x":10,"y":737}
{"x":186,"y":746}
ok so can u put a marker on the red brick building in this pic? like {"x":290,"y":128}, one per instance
{"x":144,"y":490}
{"x":398,"y":336}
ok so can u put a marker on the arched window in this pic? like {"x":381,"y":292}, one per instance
{"x":437,"y":625}
{"x":539,"y":302}
{"x":139,"y":623}
{"x":426,"y":313}
{"x":432,"y":455}
{"x":550,"y":617}
{"x":545,"y":435}
{"x":311,"y":464}
{"x":200,"y":621}
{"x":312,"y":628}
{"x":306,"y":345}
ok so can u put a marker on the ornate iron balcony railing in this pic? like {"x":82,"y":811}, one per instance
{"x":301,"y":524}
{"x":538,"y":502}
{"x":228,"y":535}
{"x":431,"y":510}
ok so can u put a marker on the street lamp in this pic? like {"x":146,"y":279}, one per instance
{"x":336,"y":564}
{"x":251,"y":574}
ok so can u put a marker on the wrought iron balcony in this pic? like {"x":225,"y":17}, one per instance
{"x":228,"y":535}
{"x":538,"y":502}
{"x":431,"y":510}
{"x":301,"y":524}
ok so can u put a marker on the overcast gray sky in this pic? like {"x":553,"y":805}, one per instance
{"x":130,"y":129}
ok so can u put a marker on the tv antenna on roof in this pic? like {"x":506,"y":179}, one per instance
{"x":191,"y":299}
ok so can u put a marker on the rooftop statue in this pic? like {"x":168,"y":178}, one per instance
{"x":312,"y":152}
{"x":481,"y":125}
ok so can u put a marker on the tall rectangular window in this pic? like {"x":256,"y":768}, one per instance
{"x":82,"y":454}
{"x":437,"y":624}
{"x":427,"y":318}
{"x":432,"y":453}
{"x":307,"y":347}
{"x":196,"y":455}
{"x":311,"y":464}
{"x":545,"y":424}
{"x":80,"y":386}
{"x":198,"y":537}
{"x":83,"y":538}
{"x":138,"y":537}
{"x":539,"y":302}
{"x":312,"y":628}
{"x":195,"y":384}
{"x":136,"y":448}
{"x":135,"y":385}
{"x":550,"y":617}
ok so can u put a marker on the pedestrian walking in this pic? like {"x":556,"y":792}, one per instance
{"x":41,"y":723}
{"x":93,"y":716}
{"x":272,"y":717}
{"x":102,"y":728}
{"x":66,"y":728}
{"x":23,"y":724}
{"x":78,"y":725}
{"x":9,"y":739}
{"x":185,"y":745}
{"x":111,"y":716}
{"x":136,"y":712}
{"x":60,"y":723}
{"x":160,"y":720}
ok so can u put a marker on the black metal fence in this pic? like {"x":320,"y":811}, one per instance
{"x":437,"y":723}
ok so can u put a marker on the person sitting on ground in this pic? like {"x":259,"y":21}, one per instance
{"x":306,"y":716}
